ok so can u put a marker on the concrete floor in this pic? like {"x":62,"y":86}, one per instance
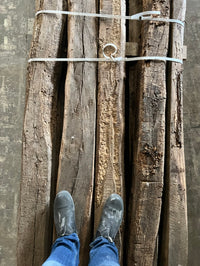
{"x":16,"y":21}
{"x":192,"y":127}
{"x":16,"y":18}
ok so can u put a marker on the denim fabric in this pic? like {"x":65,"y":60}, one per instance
{"x":103,"y":253}
{"x":65,"y":251}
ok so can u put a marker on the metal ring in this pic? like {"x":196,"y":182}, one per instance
{"x":114,"y":53}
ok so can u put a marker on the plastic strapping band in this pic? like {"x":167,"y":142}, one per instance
{"x":107,"y":58}
{"x":116,"y":59}
{"x":146,"y":15}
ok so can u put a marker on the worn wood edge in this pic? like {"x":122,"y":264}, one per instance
{"x":109,"y":172}
{"x":77,"y":154}
{"x":148,"y":257}
{"x":174,"y":237}
{"x":34,"y":225}
{"x":176,"y":242}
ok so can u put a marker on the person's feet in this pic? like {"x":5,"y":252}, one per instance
{"x":64,"y":214}
{"x":111,"y":217}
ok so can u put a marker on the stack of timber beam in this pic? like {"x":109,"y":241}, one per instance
{"x":157,"y":213}
{"x":149,"y":140}
{"x":88,"y":131}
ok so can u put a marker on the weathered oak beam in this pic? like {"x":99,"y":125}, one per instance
{"x":39,"y":139}
{"x":175,"y":232}
{"x":148,"y":141}
{"x":178,"y":231}
{"x":109,"y":176}
{"x":76,"y":163}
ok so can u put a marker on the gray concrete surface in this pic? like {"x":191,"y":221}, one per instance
{"x":192,"y":127}
{"x":16,"y":20}
{"x":15,"y":35}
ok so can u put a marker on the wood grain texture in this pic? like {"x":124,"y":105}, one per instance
{"x":175,"y":239}
{"x":76,"y":163}
{"x":38,"y":167}
{"x":178,"y":231}
{"x":148,"y":141}
{"x":110,"y":111}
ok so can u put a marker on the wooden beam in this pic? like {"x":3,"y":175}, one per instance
{"x":76,"y":163}
{"x":132,"y":49}
{"x":175,"y":233}
{"x":148,"y":141}
{"x":39,"y":139}
{"x":109,"y":176}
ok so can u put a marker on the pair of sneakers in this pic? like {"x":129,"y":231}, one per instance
{"x":64,"y":216}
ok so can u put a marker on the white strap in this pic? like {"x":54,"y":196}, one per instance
{"x":147,"y":15}
{"x":114,"y":59}
{"x":165,"y":20}
{"x":107,"y":58}
{"x":83,"y":14}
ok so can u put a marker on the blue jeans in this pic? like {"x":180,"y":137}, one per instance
{"x":65,"y":252}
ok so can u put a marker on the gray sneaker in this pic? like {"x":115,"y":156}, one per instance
{"x":64,"y":214}
{"x":111,"y":217}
